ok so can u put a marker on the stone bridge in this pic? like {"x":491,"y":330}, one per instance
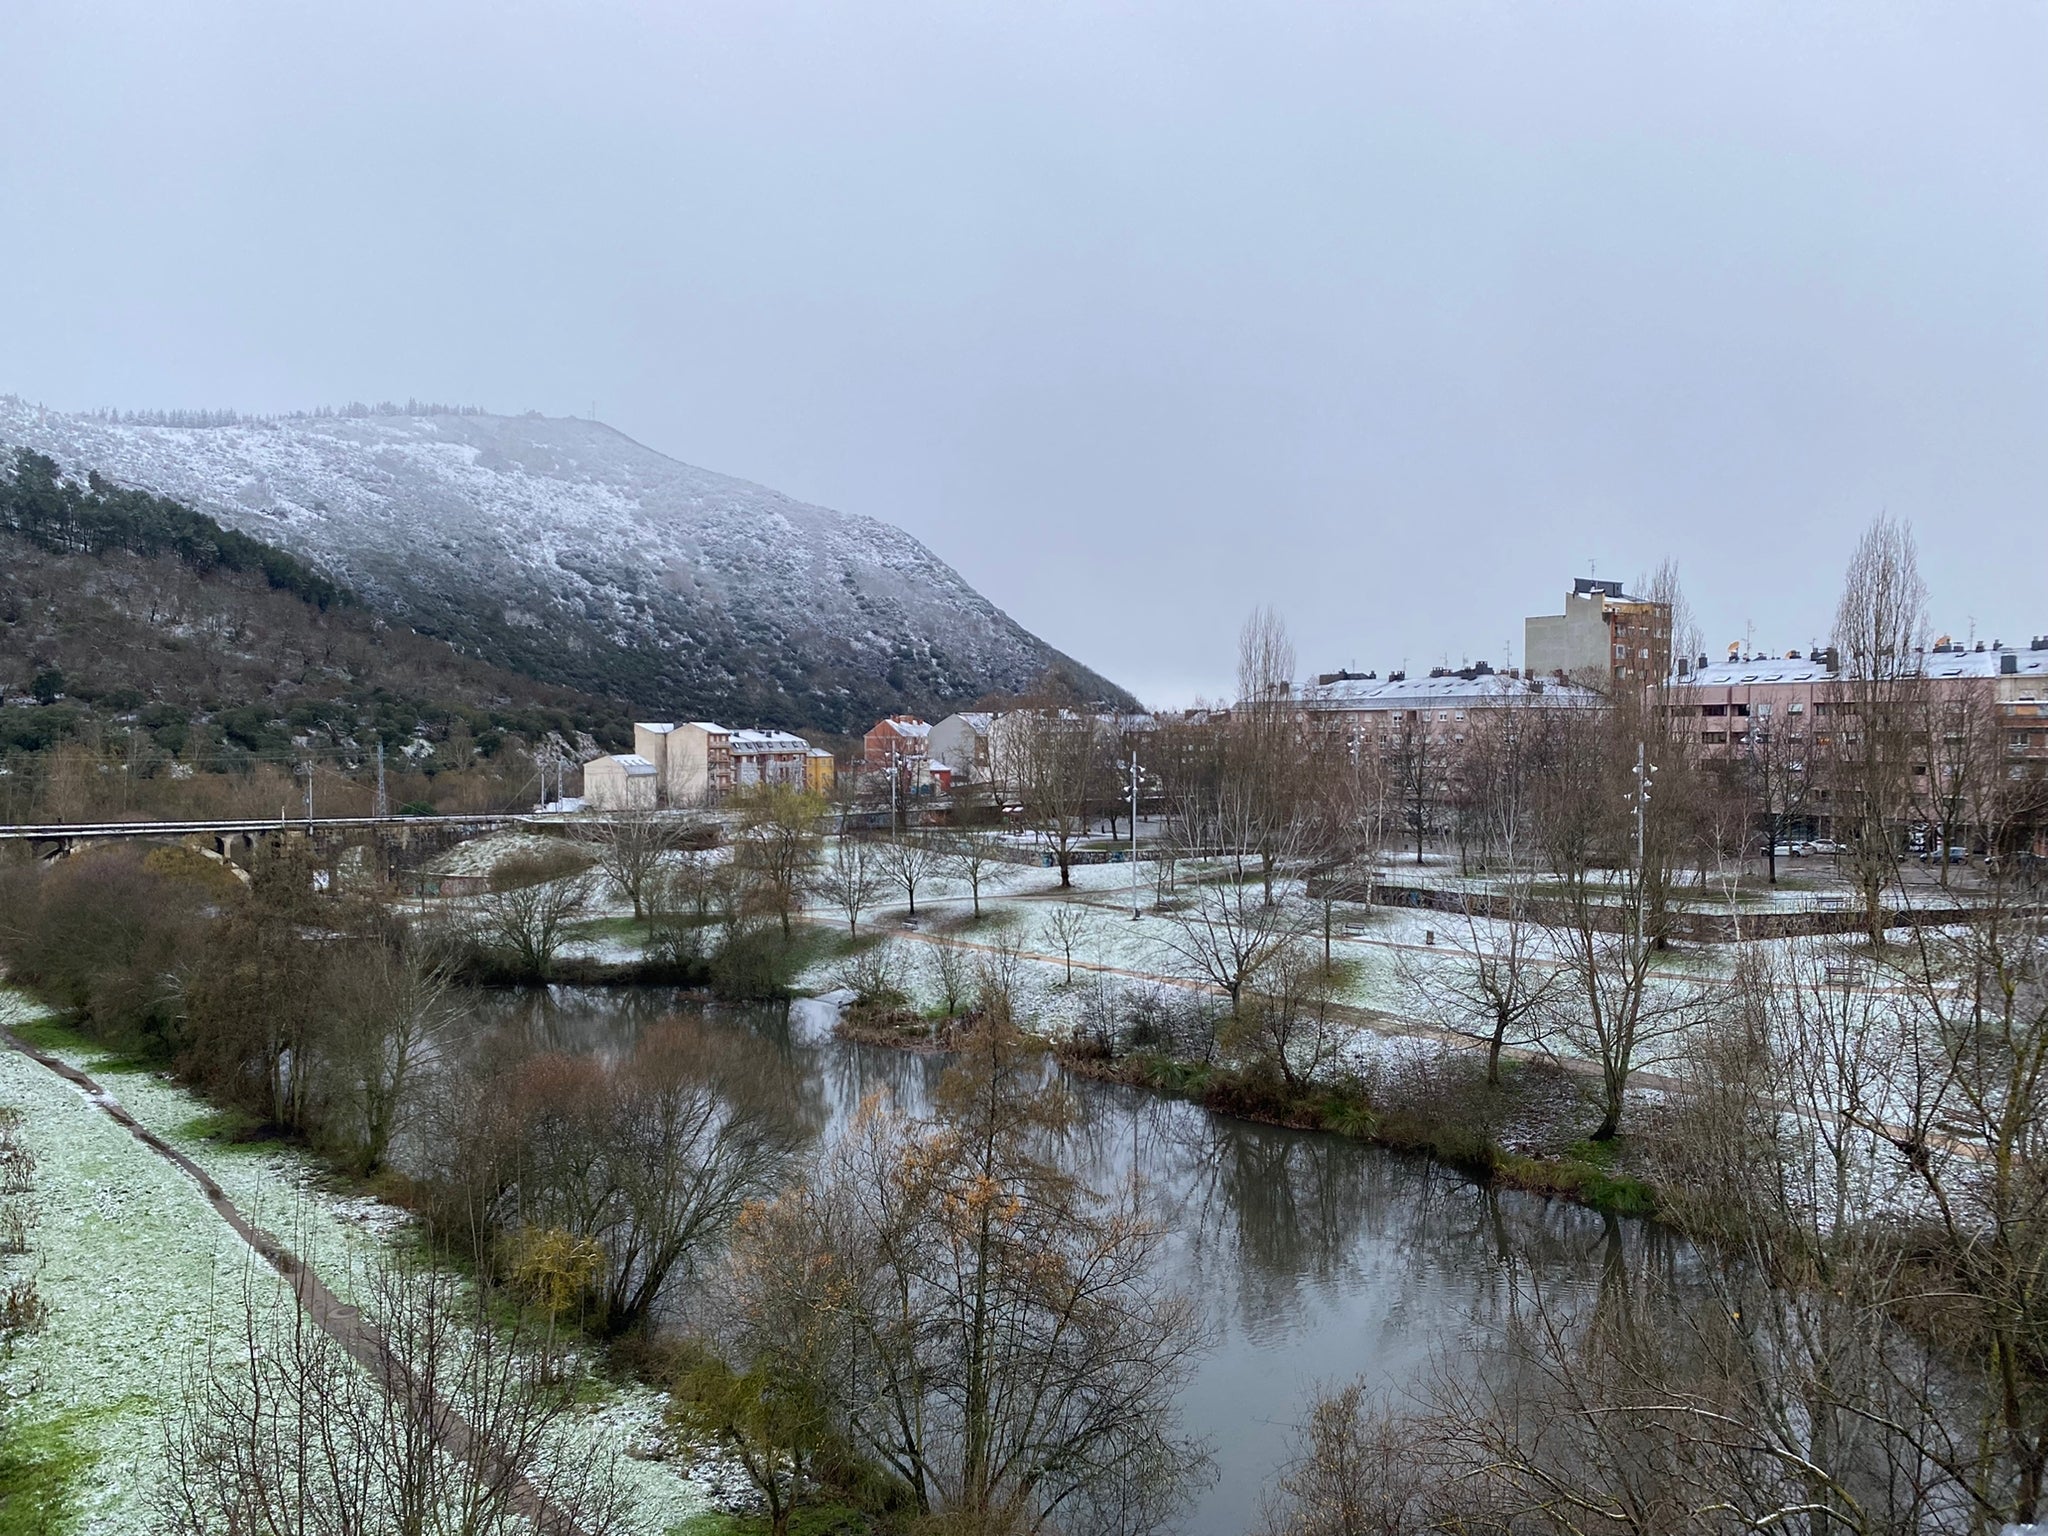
{"x":391,"y":845}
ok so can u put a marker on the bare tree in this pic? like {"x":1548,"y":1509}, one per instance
{"x":531,"y":903}
{"x":680,"y":906}
{"x":909,"y":861}
{"x":1415,"y":767}
{"x":1357,"y":1470}
{"x":391,"y":1012}
{"x":455,"y":1426}
{"x":1000,"y":1345}
{"x":1286,"y":1029}
{"x":1879,"y":623}
{"x":1066,"y":926}
{"x":979,"y":859}
{"x":1264,"y":759}
{"x":631,"y":846}
{"x":1775,"y":779}
{"x":1959,"y":764}
{"x":952,"y":975}
{"x":776,"y":844}
{"x":652,"y":1156}
{"x":1227,"y":932}
{"x":1056,"y":764}
{"x":851,"y":877}
{"x":1500,"y":985}
{"x":1606,"y":834}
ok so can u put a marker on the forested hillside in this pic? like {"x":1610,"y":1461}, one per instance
{"x":153,"y":662}
{"x":567,"y":551}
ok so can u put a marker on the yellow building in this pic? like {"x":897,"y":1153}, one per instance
{"x":821,"y":771}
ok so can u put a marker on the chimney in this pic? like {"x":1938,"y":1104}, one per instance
{"x":2040,"y":643}
{"x":2008,"y":664}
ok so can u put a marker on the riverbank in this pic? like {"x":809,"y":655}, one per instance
{"x":142,"y":1279}
{"x":1517,"y":1135}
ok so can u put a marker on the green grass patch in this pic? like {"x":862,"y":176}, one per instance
{"x":41,"y":1467}
{"x":827,"y":1518}
{"x":1587,"y":1180}
{"x":227,"y":1126}
{"x":636,"y":929}
{"x":57,"y":1035}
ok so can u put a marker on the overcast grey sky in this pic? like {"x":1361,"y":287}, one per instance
{"x":1394,"y":316}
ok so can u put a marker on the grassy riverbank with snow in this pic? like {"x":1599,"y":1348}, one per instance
{"x":140,"y":1276}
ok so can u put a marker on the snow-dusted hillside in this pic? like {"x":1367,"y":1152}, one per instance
{"x":568,"y":551}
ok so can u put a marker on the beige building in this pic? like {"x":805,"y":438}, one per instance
{"x":626,"y":782}
{"x":1603,"y":636}
{"x":693,"y":763}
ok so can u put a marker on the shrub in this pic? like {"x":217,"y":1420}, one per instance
{"x":753,"y":963}
{"x":876,"y":979}
{"x":103,"y":935}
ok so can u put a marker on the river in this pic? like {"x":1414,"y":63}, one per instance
{"x":1315,"y":1258}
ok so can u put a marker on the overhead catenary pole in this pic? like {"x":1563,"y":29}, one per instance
{"x":383,"y":806}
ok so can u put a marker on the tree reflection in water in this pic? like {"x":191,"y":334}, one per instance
{"x":1317,"y":1259}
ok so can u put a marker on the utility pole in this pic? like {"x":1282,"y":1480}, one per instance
{"x":895,"y":825}
{"x":383,"y":805}
{"x":306,"y":768}
{"x":1134,"y":834}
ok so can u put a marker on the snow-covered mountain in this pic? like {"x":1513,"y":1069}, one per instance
{"x":570,"y":552}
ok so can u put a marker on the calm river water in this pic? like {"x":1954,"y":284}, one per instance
{"x":1317,"y":1259}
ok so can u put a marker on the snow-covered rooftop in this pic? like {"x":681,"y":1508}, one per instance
{"x":768,"y":741}
{"x":634,"y":764}
{"x":659,"y":728}
{"x":1366,"y":693}
{"x":1738,"y":671}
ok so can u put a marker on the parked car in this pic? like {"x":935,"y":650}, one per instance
{"x":1956,"y":855}
{"x":1824,"y":845}
{"x":1786,"y":850}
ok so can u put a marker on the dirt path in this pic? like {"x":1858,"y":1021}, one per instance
{"x":361,"y":1339}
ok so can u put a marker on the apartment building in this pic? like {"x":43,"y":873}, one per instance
{"x":1800,"y":715}
{"x":769,"y":757}
{"x":1604,"y":636}
{"x":693,"y":763}
{"x":898,"y":741}
{"x":1442,"y":706}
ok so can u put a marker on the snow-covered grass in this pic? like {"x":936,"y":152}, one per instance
{"x":481,"y":855}
{"x":139,"y":1272}
{"x":131,"y":1263}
